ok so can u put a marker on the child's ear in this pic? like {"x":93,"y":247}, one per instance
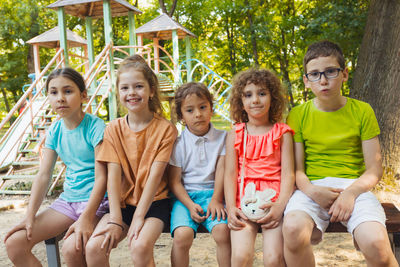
{"x":84,"y":95}
{"x":345,"y":75}
{"x":306,"y":82}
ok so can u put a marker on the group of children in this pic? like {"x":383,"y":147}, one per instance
{"x":134,"y":176}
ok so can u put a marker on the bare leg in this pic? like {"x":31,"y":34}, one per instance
{"x":221,"y":235}
{"x":142,"y":248}
{"x":243,"y":245}
{"x":72,"y":256}
{"x":95,"y":255}
{"x":273,"y":247}
{"x":48,"y":224}
{"x":183,"y":239}
{"x":297,"y":230}
{"x":373,"y":241}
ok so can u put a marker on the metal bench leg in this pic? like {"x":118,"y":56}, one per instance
{"x":53,"y":252}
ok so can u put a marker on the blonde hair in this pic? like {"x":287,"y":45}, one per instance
{"x":263,"y":78}
{"x":137,"y":63}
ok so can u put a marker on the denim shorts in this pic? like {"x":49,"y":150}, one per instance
{"x":180,"y":215}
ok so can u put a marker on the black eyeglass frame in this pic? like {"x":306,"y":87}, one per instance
{"x":323,"y":73}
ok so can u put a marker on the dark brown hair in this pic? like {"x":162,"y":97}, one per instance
{"x":323,"y":49}
{"x":263,"y":78}
{"x":186,"y":89}
{"x":68,"y":73}
{"x":137,"y":63}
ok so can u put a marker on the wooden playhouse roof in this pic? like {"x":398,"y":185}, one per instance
{"x":94,"y":8}
{"x":162,"y":27}
{"x":51,"y":39}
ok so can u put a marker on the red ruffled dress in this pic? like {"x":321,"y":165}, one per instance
{"x":263,"y":158}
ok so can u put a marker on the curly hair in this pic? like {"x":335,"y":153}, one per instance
{"x":263,"y":78}
{"x":187,"y":89}
{"x":137,"y":63}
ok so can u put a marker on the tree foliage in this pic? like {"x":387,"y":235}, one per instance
{"x":232,"y":35}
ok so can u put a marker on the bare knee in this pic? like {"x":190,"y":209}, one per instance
{"x":183,"y":238}
{"x":297,"y":230}
{"x":241,"y":256}
{"x":379,"y":244}
{"x":273,"y":258}
{"x":69,"y":251}
{"x":17,"y":245}
{"x":141,"y":250}
{"x":221,"y":234}
{"x":93,"y":251}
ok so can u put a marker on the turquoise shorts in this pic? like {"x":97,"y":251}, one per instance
{"x":180,"y":215}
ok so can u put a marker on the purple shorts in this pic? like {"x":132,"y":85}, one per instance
{"x":74,"y":209}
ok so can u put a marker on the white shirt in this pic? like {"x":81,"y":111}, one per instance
{"x":197,"y":157}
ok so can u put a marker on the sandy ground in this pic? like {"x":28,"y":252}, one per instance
{"x":334,"y":250}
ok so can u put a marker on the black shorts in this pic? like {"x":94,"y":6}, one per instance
{"x":160,"y":209}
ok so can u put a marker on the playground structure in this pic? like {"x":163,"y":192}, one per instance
{"x":21,"y":144}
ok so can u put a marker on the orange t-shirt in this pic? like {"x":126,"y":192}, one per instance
{"x":263,"y":158}
{"x":136,"y":152}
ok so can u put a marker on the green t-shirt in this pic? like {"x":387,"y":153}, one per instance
{"x":333,"y":140}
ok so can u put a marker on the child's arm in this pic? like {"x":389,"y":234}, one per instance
{"x":115,"y":227}
{"x":343,"y":206}
{"x":176,"y":186}
{"x":323,"y":195}
{"x":230,"y":184}
{"x":84,"y":226}
{"x":216,"y":206}
{"x":274,"y":216}
{"x":38,"y":192}
{"x":156,"y":172}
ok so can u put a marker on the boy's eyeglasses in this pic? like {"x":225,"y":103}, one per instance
{"x":329,"y":74}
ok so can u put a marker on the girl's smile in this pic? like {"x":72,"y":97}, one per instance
{"x":134,"y":91}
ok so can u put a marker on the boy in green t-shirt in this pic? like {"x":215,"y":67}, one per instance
{"x":338,"y":161}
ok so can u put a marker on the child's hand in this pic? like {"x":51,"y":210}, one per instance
{"x":325,"y":196}
{"x":216,"y":210}
{"x":236,"y":218}
{"x":342,"y":208}
{"x":83,"y":229}
{"x":26,"y":224}
{"x":195,"y":211}
{"x":273,"y":217}
{"x":135,"y":228}
{"x":112,"y":234}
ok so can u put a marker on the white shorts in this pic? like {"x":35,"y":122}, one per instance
{"x":367,"y":208}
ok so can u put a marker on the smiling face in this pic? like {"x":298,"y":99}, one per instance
{"x":134,"y":91}
{"x":196,"y":114}
{"x":256,"y":101}
{"x":65,"y":97}
{"x":326,"y":90}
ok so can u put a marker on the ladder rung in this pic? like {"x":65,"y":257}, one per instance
{"x":27,"y":151}
{"x":29,"y":163}
{"x":21,"y":177}
{"x":15,"y":192}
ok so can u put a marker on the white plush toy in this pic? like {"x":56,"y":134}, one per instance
{"x":252,"y":200}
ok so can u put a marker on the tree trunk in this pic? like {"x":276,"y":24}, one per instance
{"x":253,"y":33}
{"x":5,"y":98}
{"x":164,"y":8}
{"x":376,"y":78}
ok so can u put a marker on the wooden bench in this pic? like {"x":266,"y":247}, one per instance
{"x":392,"y":226}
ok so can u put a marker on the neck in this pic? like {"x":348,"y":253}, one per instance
{"x":73,"y":121}
{"x":258,"y":126}
{"x":331,"y":105}
{"x":138,"y":122}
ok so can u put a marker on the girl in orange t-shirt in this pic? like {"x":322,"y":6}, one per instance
{"x":256,"y":106}
{"x":136,"y":149}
